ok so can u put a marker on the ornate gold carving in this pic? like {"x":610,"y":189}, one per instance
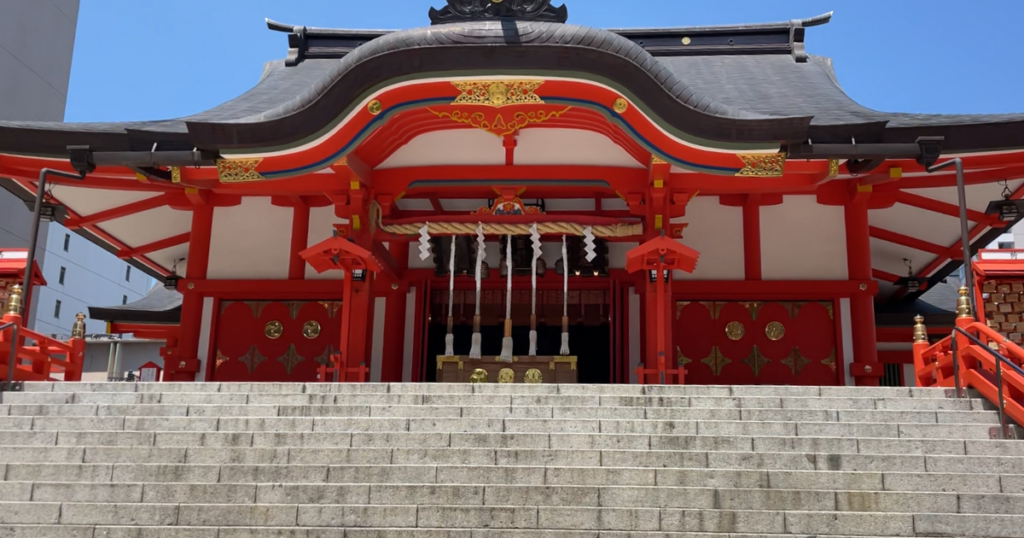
{"x":498,"y":125}
{"x":833,"y":167}
{"x":252,"y":359}
{"x":713,"y":308}
{"x":324,"y":357}
{"x":620,"y":105}
{"x":256,"y":307}
{"x":478,"y":376}
{"x":762,"y":165}
{"x":657,"y":160}
{"x":374,"y":107}
{"x":716,"y":361}
{"x":830,"y":361}
{"x":755,"y":361}
{"x":920,"y":330}
{"x":828,"y":306}
{"x":775,"y":331}
{"x":680,"y":305}
{"x":683,"y":360}
{"x":753,"y":307}
{"x":506,"y":375}
{"x":221,"y":359}
{"x":498,"y":93}
{"x":238,"y":170}
{"x":273,"y":330}
{"x":571,"y":361}
{"x":78,"y":327}
{"x":963,"y":304}
{"x":795,"y":361}
{"x":441,"y":360}
{"x":293,"y":308}
{"x":533,"y":376}
{"x":331,"y":307}
{"x":290,"y":359}
{"x":14,"y":302}
{"x":686,"y":40}
{"x":311,"y":330}
{"x":735,"y":330}
{"x":175,"y":174}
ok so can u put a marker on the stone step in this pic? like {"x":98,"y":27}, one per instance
{"x":514,"y":517}
{"x":81,"y":531}
{"x":583,"y":441}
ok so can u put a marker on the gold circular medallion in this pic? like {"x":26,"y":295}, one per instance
{"x":775,"y":331}
{"x":506,"y":375}
{"x":374,"y":107}
{"x":735,"y":330}
{"x":311,"y":330}
{"x":686,"y":40}
{"x":478,"y":376}
{"x":273,"y":330}
{"x":533,"y":376}
{"x":620,"y":106}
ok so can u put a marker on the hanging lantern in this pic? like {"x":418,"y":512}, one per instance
{"x":1007,"y":210}
{"x":910,"y":282}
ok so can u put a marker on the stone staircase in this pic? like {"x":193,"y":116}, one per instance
{"x":501,"y":461}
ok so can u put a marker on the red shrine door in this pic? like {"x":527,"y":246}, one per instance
{"x":275,"y":341}
{"x":756,"y":343}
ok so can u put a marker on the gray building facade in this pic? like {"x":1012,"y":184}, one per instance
{"x":37,"y":39}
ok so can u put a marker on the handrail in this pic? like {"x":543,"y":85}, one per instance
{"x":999,"y":360}
{"x":14,"y":351}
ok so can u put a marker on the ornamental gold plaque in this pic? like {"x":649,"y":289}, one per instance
{"x":374,"y":107}
{"x":775,"y":331}
{"x":735,"y":330}
{"x":478,"y":376}
{"x":506,"y":375}
{"x":273,"y":330}
{"x":498,"y":93}
{"x":311,"y":330}
{"x":762,"y":165}
{"x":533,"y":376}
{"x":238,"y":170}
{"x":620,"y":105}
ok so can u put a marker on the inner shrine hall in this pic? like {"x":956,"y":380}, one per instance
{"x":502,"y":196}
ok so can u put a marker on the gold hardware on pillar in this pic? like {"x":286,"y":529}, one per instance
{"x":478,"y":376}
{"x":920,"y":331}
{"x":14,"y":302}
{"x":78,"y":327}
{"x":506,"y":375}
{"x":963,"y":304}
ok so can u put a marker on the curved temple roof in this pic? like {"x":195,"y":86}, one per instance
{"x":733,"y":84}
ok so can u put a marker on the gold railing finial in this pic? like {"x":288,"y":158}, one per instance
{"x":920,"y":331}
{"x":78,"y":327}
{"x":14,"y":302}
{"x":963,"y":304}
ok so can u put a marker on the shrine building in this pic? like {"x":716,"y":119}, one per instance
{"x":502,"y":196}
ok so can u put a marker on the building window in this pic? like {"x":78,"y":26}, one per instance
{"x":128,"y":274}
{"x":60,"y":279}
{"x":67,"y":242}
{"x":1005,"y":245}
{"x":124,"y":299}
{"x":56,"y":309}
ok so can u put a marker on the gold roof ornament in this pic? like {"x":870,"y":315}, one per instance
{"x":920,"y":331}
{"x":78,"y":327}
{"x":762,"y":164}
{"x":963,"y":304}
{"x":498,"y":93}
{"x":14,"y":302}
{"x":238,"y":170}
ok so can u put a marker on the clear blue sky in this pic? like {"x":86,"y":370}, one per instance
{"x":145,"y":60}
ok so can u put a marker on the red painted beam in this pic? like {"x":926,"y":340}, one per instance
{"x":907,"y":241}
{"x":122,"y":211}
{"x":154,"y":246}
{"x":884,"y":276}
{"x":930,"y":204}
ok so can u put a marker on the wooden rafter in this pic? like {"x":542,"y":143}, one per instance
{"x":122,"y":211}
{"x":907,"y":241}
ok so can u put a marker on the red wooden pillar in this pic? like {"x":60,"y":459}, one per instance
{"x":393,"y":350}
{"x":185,"y":367}
{"x":865,"y":367}
{"x":300,"y":240}
{"x":752,"y":238}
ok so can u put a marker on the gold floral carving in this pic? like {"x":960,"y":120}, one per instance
{"x":290,"y":359}
{"x":713,"y":308}
{"x":252,"y":359}
{"x":175,"y":174}
{"x":756,"y":361}
{"x":833,"y":167}
{"x":273,"y":330}
{"x":238,"y":170}
{"x":331,"y":307}
{"x":506,"y":375}
{"x":498,"y":125}
{"x":620,"y":105}
{"x":753,"y":307}
{"x":498,"y":93}
{"x":762,"y":165}
{"x":795,"y":361}
{"x":680,"y":305}
{"x":311,"y":330}
{"x":735,"y":331}
{"x":478,"y":376}
{"x":716,"y":361}
{"x":533,"y":376}
{"x":775,"y":331}
{"x":221,"y":359}
{"x":293,"y":308}
{"x":828,"y":306}
{"x":324,"y":357}
{"x":830,"y":361}
{"x":683,"y":360}
{"x":256,"y":307}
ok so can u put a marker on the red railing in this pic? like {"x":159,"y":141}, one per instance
{"x":37,"y":357}
{"x":973,"y":356}
{"x":348,"y":374}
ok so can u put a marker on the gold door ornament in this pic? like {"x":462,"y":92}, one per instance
{"x":716,"y":361}
{"x":735,"y":331}
{"x":775,"y":331}
{"x":533,"y":376}
{"x":795,"y":361}
{"x":506,"y":375}
{"x":252,"y":359}
{"x":478,"y":376}
{"x":290,"y":359}
{"x":273,"y":330}
{"x":311,"y":330}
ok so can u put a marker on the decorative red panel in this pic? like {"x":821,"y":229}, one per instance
{"x":275,"y":341}
{"x":756,"y":343}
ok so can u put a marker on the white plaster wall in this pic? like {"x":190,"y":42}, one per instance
{"x":250,"y":241}
{"x":847,"y":337}
{"x":475,"y":147}
{"x":570,"y":146}
{"x":377,"y":345}
{"x":321,"y":227}
{"x":89,"y":201}
{"x":410,"y":328}
{"x":716,"y":232}
{"x":802,"y":240}
{"x":149,"y":226}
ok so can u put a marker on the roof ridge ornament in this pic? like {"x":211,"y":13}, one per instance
{"x":476,"y":10}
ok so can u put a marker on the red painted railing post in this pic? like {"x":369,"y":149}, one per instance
{"x":920,"y":346}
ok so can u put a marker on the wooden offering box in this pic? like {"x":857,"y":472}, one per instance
{"x":553,"y":369}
